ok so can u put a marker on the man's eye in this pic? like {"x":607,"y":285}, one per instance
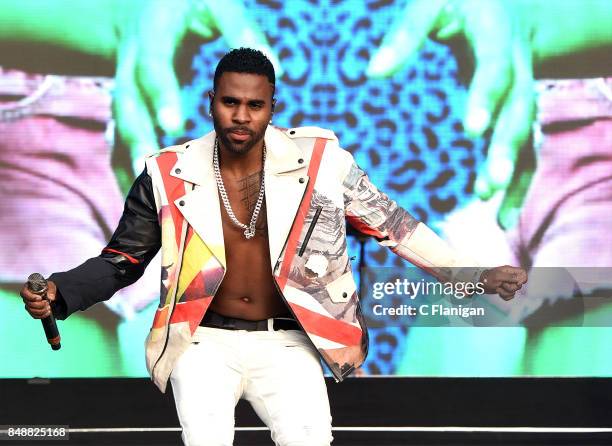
{"x":230,"y":101}
{"x":256,"y":106}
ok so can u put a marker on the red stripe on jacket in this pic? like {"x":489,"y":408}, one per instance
{"x":327,"y":327}
{"x":127,"y":256}
{"x":298,"y":224}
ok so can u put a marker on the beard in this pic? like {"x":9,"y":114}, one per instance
{"x":241,"y":148}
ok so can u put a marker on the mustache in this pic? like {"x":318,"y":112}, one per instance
{"x":239,"y":129}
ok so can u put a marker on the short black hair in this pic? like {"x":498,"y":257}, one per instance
{"x":245,"y":60}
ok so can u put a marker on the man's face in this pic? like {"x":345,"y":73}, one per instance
{"x":241,"y":108}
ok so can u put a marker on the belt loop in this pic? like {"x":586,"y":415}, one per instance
{"x":271,"y":324}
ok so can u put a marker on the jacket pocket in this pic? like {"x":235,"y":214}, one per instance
{"x":310,"y":229}
{"x":341,"y":289}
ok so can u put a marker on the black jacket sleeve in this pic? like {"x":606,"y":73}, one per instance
{"x":134,"y":243}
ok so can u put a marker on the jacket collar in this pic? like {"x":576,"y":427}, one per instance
{"x":196,"y":163}
{"x":285,"y":179}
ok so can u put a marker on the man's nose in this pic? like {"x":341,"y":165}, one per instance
{"x":241,"y":115}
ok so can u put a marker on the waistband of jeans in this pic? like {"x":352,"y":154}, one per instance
{"x":566,"y":100}
{"x":54,"y":95}
{"x":216,"y":320}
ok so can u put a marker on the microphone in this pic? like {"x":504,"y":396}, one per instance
{"x":38,"y":285}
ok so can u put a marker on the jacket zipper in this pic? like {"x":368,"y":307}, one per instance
{"x":337,"y":376}
{"x":310,"y":229}
{"x":179,"y":268}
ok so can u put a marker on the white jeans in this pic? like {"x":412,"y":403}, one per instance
{"x":278,"y":372}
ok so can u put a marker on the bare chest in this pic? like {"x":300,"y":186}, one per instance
{"x":248,"y":290}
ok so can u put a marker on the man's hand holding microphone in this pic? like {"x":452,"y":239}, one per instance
{"x":38,"y":294}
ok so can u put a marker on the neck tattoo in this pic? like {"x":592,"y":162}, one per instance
{"x":249,"y":230}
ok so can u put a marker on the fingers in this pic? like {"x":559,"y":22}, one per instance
{"x":521,"y":276}
{"x":201,"y":22}
{"x":512,"y":128}
{"x":510,"y":287}
{"x":238,"y":28}
{"x":153,"y":67}
{"x":500,"y":277}
{"x":35,"y":305}
{"x":490,"y":35}
{"x":517,"y":275}
{"x":29,"y":296}
{"x":506,"y":295}
{"x":406,"y":35}
{"x":51,"y":290}
{"x":158,"y":83}
{"x":505,"y":280}
{"x":450,"y":29}
{"x":39,"y":311}
{"x":508,"y":274}
{"x":134,"y":122}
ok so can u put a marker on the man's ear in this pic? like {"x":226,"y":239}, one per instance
{"x":273,"y":104}
{"x":211,"y":97}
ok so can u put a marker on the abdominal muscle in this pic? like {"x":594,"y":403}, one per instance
{"x":248,"y":290}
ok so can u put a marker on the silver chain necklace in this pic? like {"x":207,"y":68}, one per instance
{"x":249,"y":231}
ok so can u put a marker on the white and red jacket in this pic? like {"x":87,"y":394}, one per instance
{"x":312,"y":187}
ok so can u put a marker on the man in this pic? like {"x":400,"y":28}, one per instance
{"x":254,"y":217}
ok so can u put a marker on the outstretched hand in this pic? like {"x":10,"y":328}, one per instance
{"x":147,"y":92}
{"x":500,"y":94}
{"x":504,"y":280}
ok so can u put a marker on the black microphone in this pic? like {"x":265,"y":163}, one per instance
{"x":38,"y":285}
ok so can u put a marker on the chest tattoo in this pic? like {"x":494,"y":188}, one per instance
{"x":248,"y":188}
